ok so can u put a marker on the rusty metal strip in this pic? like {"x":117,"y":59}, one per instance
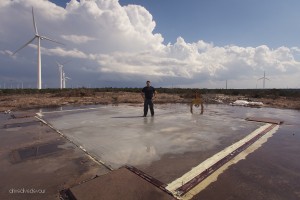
{"x":199,"y":178}
{"x":149,"y":178}
{"x":266,"y":120}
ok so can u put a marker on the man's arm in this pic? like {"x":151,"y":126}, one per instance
{"x":142,"y":94}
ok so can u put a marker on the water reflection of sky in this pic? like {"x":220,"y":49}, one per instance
{"x":117,"y":136}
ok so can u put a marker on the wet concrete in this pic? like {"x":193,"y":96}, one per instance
{"x":165,"y":147}
{"x":271,"y":172}
{"x":115,"y":186}
{"x":36,"y":151}
{"x":24,"y":124}
{"x":174,"y":141}
{"x":36,"y":162}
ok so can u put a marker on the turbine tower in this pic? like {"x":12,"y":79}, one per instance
{"x":264,"y":79}
{"x":64,"y":78}
{"x":39,"y":61}
{"x":60,"y":69}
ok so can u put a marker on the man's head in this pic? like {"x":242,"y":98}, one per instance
{"x":148,"y":83}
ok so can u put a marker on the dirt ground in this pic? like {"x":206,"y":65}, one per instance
{"x":28,"y":101}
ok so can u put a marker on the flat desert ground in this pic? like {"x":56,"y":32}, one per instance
{"x":14,"y":102}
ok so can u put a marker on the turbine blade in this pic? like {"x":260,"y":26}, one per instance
{"x":34,"y":24}
{"x":66,"y":62}
{"x":24,"y":45}
{"x":58,"y":64}
{"x":261,"y":78}
{"x":46,"y":38}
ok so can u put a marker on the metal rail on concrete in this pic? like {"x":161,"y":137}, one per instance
{"x":194,"y":181}
{"x":199,"y":178}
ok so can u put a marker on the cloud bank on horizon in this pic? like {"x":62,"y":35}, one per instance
{"x":112,"y":45}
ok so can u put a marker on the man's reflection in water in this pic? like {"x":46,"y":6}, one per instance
{"x":148,"y":134}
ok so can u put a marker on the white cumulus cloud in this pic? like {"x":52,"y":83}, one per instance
{"x":77,"y":39}
{"x":114,"y":44}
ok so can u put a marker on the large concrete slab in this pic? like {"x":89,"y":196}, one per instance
{"x":36,"y":162}
{"x":271,"y":172}
{"x":115,"y":186}
{"x":164,"y":146}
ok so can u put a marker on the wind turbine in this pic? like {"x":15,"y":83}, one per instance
{"x":64,"y":78}
{"x":60,"y":69}
{"x":39,"y":61}
{"x":264,"y":79}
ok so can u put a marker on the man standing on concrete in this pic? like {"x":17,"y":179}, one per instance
{"x":148,"y":93}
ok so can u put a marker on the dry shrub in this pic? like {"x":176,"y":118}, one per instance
{"x":75,"y":93}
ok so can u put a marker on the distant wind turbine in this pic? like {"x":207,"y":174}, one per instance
{"x":60,"y":69}
{"x":39,"y":61}
{"x":264,"y":79}
{"x":64,"y":78}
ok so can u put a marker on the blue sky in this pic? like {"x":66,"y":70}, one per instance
{"x":245,"y":23}
{"x":195,"y":43}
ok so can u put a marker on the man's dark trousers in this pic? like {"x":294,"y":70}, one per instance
{"x":150,"y":103}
